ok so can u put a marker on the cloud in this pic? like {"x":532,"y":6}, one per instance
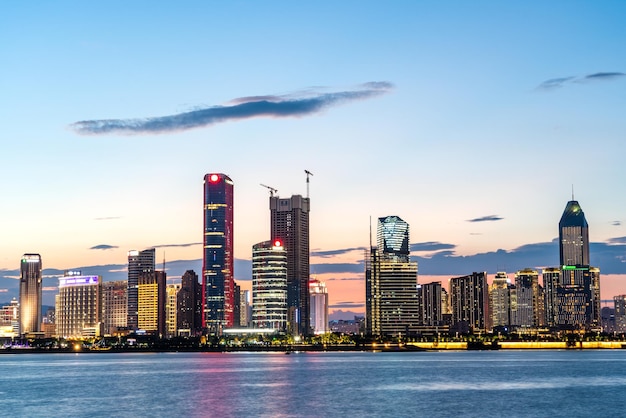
{"x":332,"y":253}
{"x":107,"y":218}
{"x":345,"y":279}
{"x":616,"y":223}
{"x":103,"y":247}
{"x":617,"y":240}
{"x":346,"y":305}
{"x":292,"y":105}
{"x":431,"y":246}
{"x":555,"y":83}
{"x":189,"y":244}
{"x":489,"y":218}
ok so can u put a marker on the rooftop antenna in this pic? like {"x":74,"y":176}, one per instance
{"x":370,"y":232}
{"x":308,"y":173}
{"x":271,"y":189}
{"x":572,"y":192}
{"x":163,"y":261}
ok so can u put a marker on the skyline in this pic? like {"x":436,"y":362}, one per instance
{"x":475,"y":137}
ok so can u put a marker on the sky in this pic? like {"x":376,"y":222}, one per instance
{"x":472,"y":121}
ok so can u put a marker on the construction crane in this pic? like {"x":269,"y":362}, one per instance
{"x":271,"y":189}
{"x":308,"y":173}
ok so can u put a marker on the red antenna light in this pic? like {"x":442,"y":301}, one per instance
{"x":277,"y":243}
{"x":214,"y":178}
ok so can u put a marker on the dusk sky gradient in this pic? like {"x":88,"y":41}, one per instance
{"x":469,"y":120}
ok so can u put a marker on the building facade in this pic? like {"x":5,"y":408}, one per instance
{"x":114,"y":307}
{"x":500,"y":302}
{"x":139,"y":262}
{"x":392,"y":307}
{"x":289,"y":224}
{"x":171,"y":309}
{"x":152,"y":300}
{"x":189,"y":301}
{"x":218,"y":253}
{"x":30,"y":294}
{"x":269,"y":285}
{"x":79,"y":307}
{"x":431,"y":309}
{"x":319,"y":307}
{"x":469,"y":301}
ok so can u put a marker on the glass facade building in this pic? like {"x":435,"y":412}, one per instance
{"x":139,"y":262}
{"x":269,"y":285}
{"x":218,"y":254}
{"x":30,"y":293}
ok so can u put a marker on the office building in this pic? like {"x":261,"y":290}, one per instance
{"x":218,"y":254}
{"x":620,"y":313}
{"x":30,"y":294}
{"x":189,"y":305}
{"x":392,"y":306}
{"x":114,"y":307}
{"x":528,"y":311}
{"x":171,"y":309}
{"x":245,"y":308}
{"x":10,"y":320}
{"x":469,"y":301}
{"x":151,"y":303}
{"x":319,"y":306}
{"x":269,"y":285}
{"x":79,"y":306}
{"x":500,"y":302}
{"x":290,"y":225}
{"x":551,"y":283}
{"x":430,"y":303}
{"x":139,"y":262}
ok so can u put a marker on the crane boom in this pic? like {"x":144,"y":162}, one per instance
{"x":308,"y":173}
{"x":271,"y":189}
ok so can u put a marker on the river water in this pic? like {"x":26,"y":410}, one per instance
{"x":357,"y":384}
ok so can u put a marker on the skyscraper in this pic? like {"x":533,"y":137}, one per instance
{"x":189,"y":301}
{"x":319,"y":306}
{"x":578,"y":291}
{"x":114,"y":306}
{"x":79,"y":306}
{"x":218,"y":259}
{"x":152,"y":301}
{"x":500,"y":301}
{"x":139,"y":262}
{"x":527,"y":312}
{"x":290,"y":225}
{"x":269,"y":285}
{"x":431,"y":310}
{"x":30,"y":293}
{"x":469,"y":301}
{"x":392,"y":307}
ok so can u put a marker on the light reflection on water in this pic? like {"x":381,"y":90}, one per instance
{"x":511,"y":383}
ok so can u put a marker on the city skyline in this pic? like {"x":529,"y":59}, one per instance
{"x":418,"y":111}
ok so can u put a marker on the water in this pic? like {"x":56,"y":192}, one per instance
{"x":425,"y":384}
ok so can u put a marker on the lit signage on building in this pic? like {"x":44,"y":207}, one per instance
{"x":78,"y":281}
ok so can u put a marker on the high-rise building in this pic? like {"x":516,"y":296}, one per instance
{"x":79,"y":306}
{"x":189,"y":304}
{"x":114,"y":306}
{"x":620,"y":313}
{"x":500,"y":301}
{"x":576,"y":297}
{"x":392,"y":307}
{"x":269,"y":285}
{"x":237,"y":307}
{"x":431,"y":309}
{"x":527,"y":311}
{"x":30,"y":293}
{"x":171,"y":309}
{"x":218,"y":259}
{"x":151,"y":302}
{"x":469,"y":300}
{"x":290,"y":225}
{"x":139,"y":262}
{"x":10,"y":320}
{"x":245,"y":308}
{"x":551,"y":282}
{"x":319,"y":306}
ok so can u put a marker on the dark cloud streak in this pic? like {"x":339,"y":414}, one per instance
{"x":243,"y":108}
{"x":555,"y":83}
{"x":489,"y":218}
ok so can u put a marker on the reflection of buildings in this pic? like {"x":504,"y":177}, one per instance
{"x":139,"y":262}
{"x":391,"y":282}
{"x":114,"y":306}
{"x":79,"y":306}
{"x":290,"y":225}
{"x":319,"y":306}
{"x":30,"y":293}
{"x":269,"y":285}
{"x":151,"y":302}
{"x":469,"y":301}
{"x":218,"y":260}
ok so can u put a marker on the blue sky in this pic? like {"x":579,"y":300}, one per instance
{"x":489,"y":112}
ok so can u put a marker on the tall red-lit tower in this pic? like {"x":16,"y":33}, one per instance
{"x":218,"y":287}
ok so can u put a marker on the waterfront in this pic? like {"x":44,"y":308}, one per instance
{"x":452,"y":383}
